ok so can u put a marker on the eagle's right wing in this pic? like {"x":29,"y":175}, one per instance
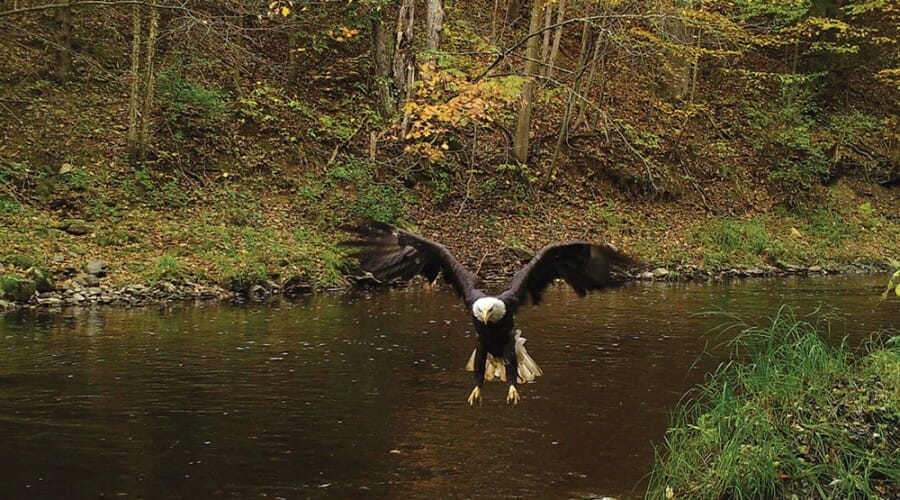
{"x":391,"y":253}
{"x":584,"y":266}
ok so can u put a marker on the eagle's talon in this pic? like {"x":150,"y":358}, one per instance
{"x":475,"y":396}
{"x":513,"y":396}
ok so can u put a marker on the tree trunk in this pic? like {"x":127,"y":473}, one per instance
{"x":149,"y":81}
{"x":63,"y":17}
{"x":598,"y":59}
{"x":435,"y":24}
{"x":133,"y":126}
{"x":405,"y":57}
{"x":382,"y":67}
{"x":404,"y":54}
{"x":554,"y":50}
{"x":523,"y":122}
{"x":512,"y":11}
{"x":545,"y":47}
{"x":574,"y":96}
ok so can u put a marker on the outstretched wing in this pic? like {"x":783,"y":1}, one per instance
{"x":391,"y":253}
{"x":584,"y":266}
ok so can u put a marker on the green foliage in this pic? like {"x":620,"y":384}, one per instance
{"x":239,"y":274}
{"x":785,"y":135}
{"x":788,"y":418}
{"x":165,"y":267}
{"x":76,"y":179}
{"x":20,"y":261}
{"x":273,"y":110}
{"x":190,"y":106}
{"x":893,"y":283}
{"x":7,"y":283}
{"x":262,"y":104}
{"x":9,"y":206}
{"x":731,"y":241}
{"x":158,"y":189}
{"x":776,"y":14}
{"x":829,"y":226}
{"x":859,"y":146}
{"x":319,"y":258}
{"x":441,"y":183}
{"x":382,"y":201}
{"x":117,"y":238}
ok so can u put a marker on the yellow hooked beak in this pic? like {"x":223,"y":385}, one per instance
{"x":484,"y":317}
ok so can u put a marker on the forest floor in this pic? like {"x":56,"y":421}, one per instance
{"x":266,"y":212}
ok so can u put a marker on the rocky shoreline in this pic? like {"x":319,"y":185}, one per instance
{"x":36,"y":288}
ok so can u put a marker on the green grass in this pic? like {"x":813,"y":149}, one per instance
{"x":729,"y":241}
{"x":165,"y":267}
{"x":794,"y":415}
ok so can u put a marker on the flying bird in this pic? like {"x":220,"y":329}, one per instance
{"x":390,"y":253}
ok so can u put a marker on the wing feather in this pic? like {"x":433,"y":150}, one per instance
{"x":391,"y":253}
{"x":584,"y":266}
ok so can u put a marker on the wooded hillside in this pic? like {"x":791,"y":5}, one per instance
{"x":227,"y":140}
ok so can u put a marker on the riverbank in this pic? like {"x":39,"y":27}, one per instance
{"x":791,"y":416}
{"x":238,"y":240}
{"x":161,"y":240}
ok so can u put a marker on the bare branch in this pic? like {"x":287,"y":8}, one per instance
{"x":99,"y":3}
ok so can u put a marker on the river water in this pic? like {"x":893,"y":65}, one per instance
{"x":363,"y":395}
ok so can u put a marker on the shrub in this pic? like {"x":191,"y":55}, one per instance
{"x":785,"y":135}
{"x":190,"y":106}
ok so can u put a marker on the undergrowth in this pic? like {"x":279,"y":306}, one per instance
{"x":791,"y":415}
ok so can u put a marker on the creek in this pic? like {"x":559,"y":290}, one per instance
{"x":362,"y":395}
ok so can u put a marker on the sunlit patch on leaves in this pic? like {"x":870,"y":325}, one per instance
{"x":447,"y":101}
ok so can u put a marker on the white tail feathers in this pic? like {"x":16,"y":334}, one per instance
{"x":495,"y":368}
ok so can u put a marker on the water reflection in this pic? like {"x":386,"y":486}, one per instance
{"x":363,"y":396}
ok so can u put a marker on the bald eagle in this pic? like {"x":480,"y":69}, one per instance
{"x":389,"y":253}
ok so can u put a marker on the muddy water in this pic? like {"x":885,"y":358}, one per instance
{"x":363,"y":396}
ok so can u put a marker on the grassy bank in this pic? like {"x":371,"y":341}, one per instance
{"x":795,"y":415}
{"x":150,"y":226}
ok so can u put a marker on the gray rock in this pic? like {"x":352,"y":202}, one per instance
{"x":96,"y":268}
{"x":50,"y":301}
{"x":77,"y":227}
{"x":87,"y":280}
{"x":660,"y":272}
{"x":18,"y":289}
{"x":521,"y":253}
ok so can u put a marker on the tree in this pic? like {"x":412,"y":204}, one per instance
{"x":523,"y":120}
{"x":404,"y":64}
{"x":140,"y":103}
{"x":63,"y":18}
{"x":382,"y":63}
{"x":435,"y":24}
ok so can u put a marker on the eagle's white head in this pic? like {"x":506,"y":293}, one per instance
{"x":489,"y":309}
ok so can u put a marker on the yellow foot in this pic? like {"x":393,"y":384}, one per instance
{"x":475,"y":396}
{"x":513,"y":396}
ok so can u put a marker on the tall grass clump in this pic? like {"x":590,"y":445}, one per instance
{"x":791,"y":415}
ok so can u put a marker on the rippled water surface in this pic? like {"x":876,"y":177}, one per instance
{"x":363,"y":396}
